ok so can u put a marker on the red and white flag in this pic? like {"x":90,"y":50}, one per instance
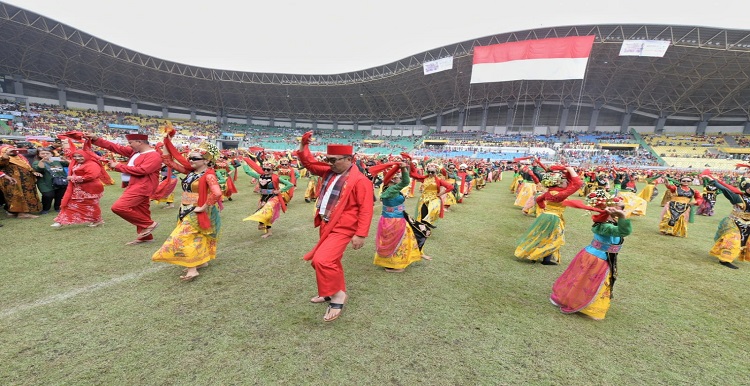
{"x":543,"y":59}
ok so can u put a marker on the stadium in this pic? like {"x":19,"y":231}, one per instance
{"x":81,"y":309}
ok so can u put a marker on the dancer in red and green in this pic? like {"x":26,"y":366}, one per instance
{"x":734,"y":230}
{"x":545,"y":236}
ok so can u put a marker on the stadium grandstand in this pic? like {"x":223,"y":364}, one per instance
{"x":689,"y":108}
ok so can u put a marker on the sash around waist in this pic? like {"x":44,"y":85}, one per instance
{"x":609,"y":248}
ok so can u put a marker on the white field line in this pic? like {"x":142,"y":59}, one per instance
{"x":78,"y":291}
{"x":94,"y":287}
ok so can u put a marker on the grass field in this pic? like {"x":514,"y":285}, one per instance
{"x":78,"y":307}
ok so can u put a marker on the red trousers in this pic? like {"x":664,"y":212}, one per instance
{"x":327,"y":263}
{"x":134,"y":209}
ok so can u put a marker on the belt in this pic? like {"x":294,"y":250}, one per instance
{"x":606,"y":247}
{"x":391,"y":209}
{"x":266,"y":191}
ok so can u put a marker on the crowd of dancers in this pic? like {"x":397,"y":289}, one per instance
{"x":346,"y":188}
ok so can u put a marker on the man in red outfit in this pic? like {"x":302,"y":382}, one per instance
{"x":143,"y":167}
{"x":343,"y":214}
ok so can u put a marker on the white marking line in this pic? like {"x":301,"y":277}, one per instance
{"x":78,"y":291}
{"x":91,"y":288}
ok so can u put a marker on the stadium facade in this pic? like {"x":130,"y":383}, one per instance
{"x":701,"y":85}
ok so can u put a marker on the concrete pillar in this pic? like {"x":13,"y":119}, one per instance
{"x":193,"y":114}
{"x":248,"y":119}
{"x":294,"y":123}
{"x":271,"y":121}
{"x":564,"y":116}
{"x":746,"y":129}
{"x":100,"y":101}
{"x":133,"y":106}
{"x":335,"y":124}
{"x":595,"y":115}
{"x":537,"y":112}
{"x":315,"y":124}
{"x":659,"y":128}
{"x":511,"y":113}
{"x":461,"y":118}
{"x":625,"y":123}
{"x":701,"y":128}
{"x":62,"y":96}
{"x":18,"y":85}
{"x":356,"y":125}
{"x":439,"y":121}
{"x":485,"y":111}
{"x":419,"y":122}
{"x":164,"y":111}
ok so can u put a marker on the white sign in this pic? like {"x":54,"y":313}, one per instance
{"x":438,"y":65}
{"x":653,"y":48}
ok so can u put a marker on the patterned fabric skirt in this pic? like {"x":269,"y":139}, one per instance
{"x":674,"y":219}
{"x":584,"y":286}
{"x":730,"y":241}
{"x":82,"y":208}
{"x":647,"y":193}
{"x":188,"y":245}
{"x":545,"y":237}
{"x":634,"y":204}
{"x":268,"y":213}
{"x":169,"y":199}
{"x":428,"y":209}
{"x":526,"y":191}
{"x":395,"y":244}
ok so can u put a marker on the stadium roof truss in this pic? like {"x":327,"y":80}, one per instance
{"x":705,"y":73}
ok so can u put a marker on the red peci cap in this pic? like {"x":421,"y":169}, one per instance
{"x":334,"y":149}
{"x":136,"y":137}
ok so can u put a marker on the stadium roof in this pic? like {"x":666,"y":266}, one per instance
{"x":705,"y":73}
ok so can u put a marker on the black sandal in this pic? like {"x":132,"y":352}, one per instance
{"x":334,"y":306}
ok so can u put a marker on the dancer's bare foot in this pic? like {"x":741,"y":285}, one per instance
{"x":267,"y":234}
{"x":26,"y":215}
{"x":204,"y":265}
{"x":426,"y":257}
{"x":170,"y":206}
{"x":393,"y":270}
{"x":191,"y":274}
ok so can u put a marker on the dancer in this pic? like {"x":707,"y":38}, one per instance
{"x":730,"y":242}
{"x":677,"y":211}
{"x":545,"y":236}
{"x":343,"y":214}
{"x":192,"y":243}
{"x":80,"y":204}
{"x":400,"y":239}
{"x":143,"y":170}
{"x":586,"y":285}
{"x":271,"y":203}
{"x":19,"y":187}
{"x":709,"y":198}
{"x":430,"y":205}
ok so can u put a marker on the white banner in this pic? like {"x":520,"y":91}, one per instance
{"x":438,"y":65}
{"x":654,"y":48}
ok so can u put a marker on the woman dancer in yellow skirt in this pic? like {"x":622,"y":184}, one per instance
{"x":271,"y":203}
{"x":430,"y":205}
{"x":676,"y":212}
{"x":192,"y":243}
{"x":731,"y":239}
{"x":400,"y":239}
{"x":545,"y":237}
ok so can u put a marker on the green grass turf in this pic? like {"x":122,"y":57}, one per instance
{"x":78,"y":307}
